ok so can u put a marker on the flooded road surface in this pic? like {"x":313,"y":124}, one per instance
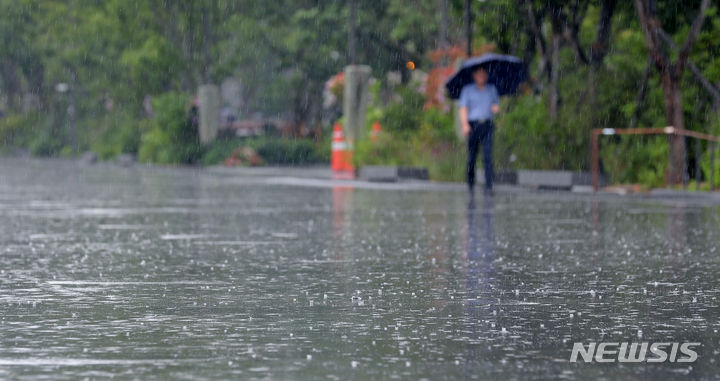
{"x":155,"y":273}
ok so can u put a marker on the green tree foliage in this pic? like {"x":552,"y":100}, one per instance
{"x":120,"y":51}
{"x":588,"y":61}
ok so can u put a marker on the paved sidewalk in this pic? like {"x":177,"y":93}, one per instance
{"x":322,"y":177}
{"x":312,"y":172}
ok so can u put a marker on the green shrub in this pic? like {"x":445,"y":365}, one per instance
{"x":33,"y":131}
{"x":273,"y":150}
{"x":17,"y":130}
{"x":404,"y":116}
{"x":46,"y":137}
{"x":635,"y":159}
{"x":117,"y":132}
{"x":526,"y":138}
{"x":286,"y":151}
{"x":171,"y":137}
{"x":705,"y":166}
{"x":387,"y":150}
{"x":437,"y":126}
{"x":46,"y":144}
{"x":218,"y":150}
{"x":433,"y":145}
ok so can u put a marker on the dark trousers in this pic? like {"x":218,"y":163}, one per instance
{"x":480,"y":133}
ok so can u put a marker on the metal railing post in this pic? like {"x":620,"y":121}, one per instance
{"x":698,"y":155}
{"x":671,"y":178}
{"x":684,"y":175}
{"x":712,"y":166}
{"x":595,"y":160}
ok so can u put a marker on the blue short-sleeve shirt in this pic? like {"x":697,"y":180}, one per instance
{"x":478,"y":101}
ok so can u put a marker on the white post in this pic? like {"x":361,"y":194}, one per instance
{"x":355,"y":100}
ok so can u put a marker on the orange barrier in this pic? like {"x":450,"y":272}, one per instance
{"x":341,"y":156}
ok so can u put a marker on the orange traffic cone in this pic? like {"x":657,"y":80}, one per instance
{"x":375,"y":132}
{"x":341,"y":156}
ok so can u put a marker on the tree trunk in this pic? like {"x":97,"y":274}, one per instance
{"x":554,"y":75}
{"x":674,"y":116}
{"x":534,"y":22}
{"x":207,"y":41}
{"x":640,"y":97}
{"x":443,"y":24}
{"x":300,"y":107}
{"x":670,"y":74}
{"x":11,"y":85}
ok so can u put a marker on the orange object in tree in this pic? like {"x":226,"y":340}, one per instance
{"x":341,"y":155}
{"x":375,"y":132}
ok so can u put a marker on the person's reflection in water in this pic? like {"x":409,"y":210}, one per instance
{"x":480,"y":246}
{"x":480,"y":281}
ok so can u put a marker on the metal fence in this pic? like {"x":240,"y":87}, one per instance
{"x":670,"y":130}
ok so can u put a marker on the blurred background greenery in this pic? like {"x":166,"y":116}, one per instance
{"x":119,"y":77}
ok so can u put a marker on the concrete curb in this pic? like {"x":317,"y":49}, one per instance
{"x":380,"y":173}
{"x":322,"y":177}
{"x":674,"y":193}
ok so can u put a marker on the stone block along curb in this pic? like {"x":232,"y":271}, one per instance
{"x":380,"y":173}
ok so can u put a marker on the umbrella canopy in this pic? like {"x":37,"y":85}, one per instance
{"x":505,"y":72}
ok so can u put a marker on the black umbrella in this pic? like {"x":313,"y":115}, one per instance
{"x":505,"y":72}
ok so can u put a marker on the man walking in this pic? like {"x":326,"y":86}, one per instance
{"x":478,"y":105}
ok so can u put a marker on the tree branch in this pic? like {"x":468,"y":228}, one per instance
{"x":642,"y":90}
{"x":536,"y":29}
{"x":538,"y":36}
{"x":692,"y":36}
{"x":601,"y":45}
{"x":714,"y":91}
{"x":598,"y":49}
{"x":650,"y":25}
{"x":388,"y":44}
{"x":572,"y":27}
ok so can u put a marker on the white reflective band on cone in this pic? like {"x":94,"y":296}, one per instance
{"x":339,"y":146}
